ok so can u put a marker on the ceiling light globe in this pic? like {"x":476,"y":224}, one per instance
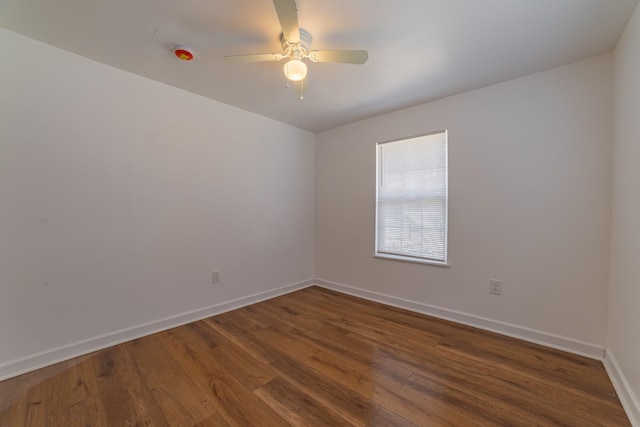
{"x":295,"y":70}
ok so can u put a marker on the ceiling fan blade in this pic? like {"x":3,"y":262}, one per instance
{"x":288,"y":17}
{"x":258,"y":57}
{"x":342,"y":56}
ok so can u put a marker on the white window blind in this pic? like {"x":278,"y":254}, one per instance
{"x":411,"y":215}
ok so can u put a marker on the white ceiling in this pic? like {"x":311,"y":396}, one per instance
{"x":419,"y":50}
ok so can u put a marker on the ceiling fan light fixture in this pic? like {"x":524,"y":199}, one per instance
{"x":295,"y":70}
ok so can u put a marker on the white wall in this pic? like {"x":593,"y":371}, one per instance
{"x":624,"y":296}
{"x":120,"y":195}
{"x":529,"y":202}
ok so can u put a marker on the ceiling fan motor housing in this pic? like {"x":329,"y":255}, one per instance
{"x":302,"y":47}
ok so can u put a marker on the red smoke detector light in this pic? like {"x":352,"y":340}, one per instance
{"x":183,"y":53}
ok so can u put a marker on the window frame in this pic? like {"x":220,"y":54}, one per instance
{"x":403,"y":257}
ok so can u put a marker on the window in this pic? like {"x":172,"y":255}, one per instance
{"x":411,"y":199}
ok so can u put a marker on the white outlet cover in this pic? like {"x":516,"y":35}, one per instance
{"x":495,"y":287}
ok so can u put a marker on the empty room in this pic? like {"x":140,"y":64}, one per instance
{"x":320,"y":213}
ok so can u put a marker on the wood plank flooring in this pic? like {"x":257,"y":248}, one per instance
{"x":317,"y":358}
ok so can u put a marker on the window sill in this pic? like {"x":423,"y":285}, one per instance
{"x":410,"y":259}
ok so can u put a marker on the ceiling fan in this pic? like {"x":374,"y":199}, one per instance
{"x":295,"y":44}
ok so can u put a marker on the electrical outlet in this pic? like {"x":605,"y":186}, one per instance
{"x":495,"y":287}
{"x":215,"y":277}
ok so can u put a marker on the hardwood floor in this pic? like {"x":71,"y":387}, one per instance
{"x":317,"y":358}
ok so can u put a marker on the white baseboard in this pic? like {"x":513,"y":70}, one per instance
{"x":15,"y":367}
{"x":570,"y":345}
{"x":623,"y":389}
